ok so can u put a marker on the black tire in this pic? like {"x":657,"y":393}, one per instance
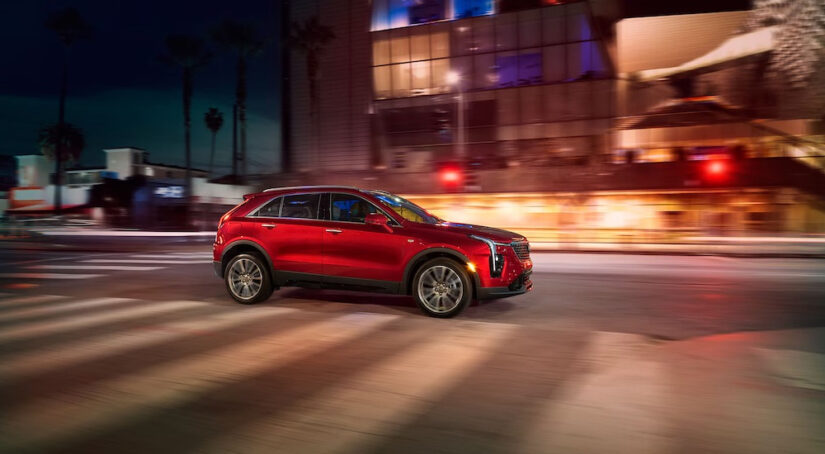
{"x":450,"y":303}
{"x":239,"y":266}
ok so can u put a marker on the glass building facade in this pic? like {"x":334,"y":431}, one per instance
{"x":534,"y":75}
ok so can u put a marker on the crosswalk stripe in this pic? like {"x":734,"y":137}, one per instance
{"x":613,"y":407}
{"x":11,"y":303}
{"x":46,"y":276}
{"x":171,"y":384}
{"x":161,"y":262}
{"x":75,"y":352}
{"x":95,"y":267}
{"x":13,"y":315}
{"x":355,"y":410}
{"x":88,"y":320}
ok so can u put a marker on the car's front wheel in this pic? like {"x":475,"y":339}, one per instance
{"x":442,"y":288}
{"x":247,"y":279}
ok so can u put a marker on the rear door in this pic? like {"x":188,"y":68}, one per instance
{"x":355,"y":250}
{"x":291,"y":231}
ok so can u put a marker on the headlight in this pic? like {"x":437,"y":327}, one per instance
{"x":496,"y":260}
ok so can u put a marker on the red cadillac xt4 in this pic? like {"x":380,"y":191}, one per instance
{"x":341,"y":237}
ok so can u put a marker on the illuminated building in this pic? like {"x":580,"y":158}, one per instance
{"x":574,"y":117}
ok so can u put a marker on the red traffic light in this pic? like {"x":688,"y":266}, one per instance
{"x":716,"y":169}
{"x":450,"y":176}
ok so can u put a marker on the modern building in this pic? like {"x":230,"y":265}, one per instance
{"x":565,"y":116}
{"x":402,"y":80}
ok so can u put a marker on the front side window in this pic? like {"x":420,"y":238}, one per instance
{"x":301,"y":206}
{"x":350,"y":208}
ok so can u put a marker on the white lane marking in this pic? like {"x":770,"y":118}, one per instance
{"x":12,"y":315}
{"x":125,"y":233}
{"x":160,"y":262}
{"x":35,"y":330}
{"x":68,"y":354}
{"x":172,"y":256}
{"x":171,"y":384}
{"x":95,"y":267}
{"x":617,"y":405}
{"x":47,"y":276}
{"x":375,"y":402}
{"x":27,"y":300}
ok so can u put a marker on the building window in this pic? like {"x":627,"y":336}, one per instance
{"x":547,"y":45}
{"x":381,"y":78}
{"x":401,"y":80}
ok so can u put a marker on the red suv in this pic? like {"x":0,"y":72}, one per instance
{"x":341,"y":237}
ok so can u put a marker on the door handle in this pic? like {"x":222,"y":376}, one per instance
{"x":269,"y":226}
{"x":335,"y":231}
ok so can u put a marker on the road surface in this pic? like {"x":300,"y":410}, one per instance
{"x":143,"y":351}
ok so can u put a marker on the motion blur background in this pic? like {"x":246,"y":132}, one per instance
{"x":574,"y":122}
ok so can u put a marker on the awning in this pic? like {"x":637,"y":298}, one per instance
{"x":734,"y":48}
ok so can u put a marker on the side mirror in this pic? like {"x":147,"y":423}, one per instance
{"x":377,"y":219}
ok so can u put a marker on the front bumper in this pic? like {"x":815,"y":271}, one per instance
{"x":218,"y":267}
{"x":522,"y":284}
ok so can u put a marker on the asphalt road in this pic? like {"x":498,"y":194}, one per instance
{"x":143,"y":351}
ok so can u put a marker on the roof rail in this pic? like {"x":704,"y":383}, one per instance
{"x":286,"y":188}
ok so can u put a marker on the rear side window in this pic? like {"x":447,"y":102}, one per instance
{"x":301,"y":206}
{"x":272,"y":209}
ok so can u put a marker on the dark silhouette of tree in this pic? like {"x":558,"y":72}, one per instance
{"x":69,"y":27}
{"x":245,"y":41}
{"x":189,"y":53}
{"x":214,"y":120}
{"x":63,"y":142}
{"x":310,"y":38}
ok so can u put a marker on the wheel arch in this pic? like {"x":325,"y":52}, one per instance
{"x":241,"y":246}
{"x":428,"y":254}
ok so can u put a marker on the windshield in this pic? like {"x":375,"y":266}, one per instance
{"x":405,"y":208}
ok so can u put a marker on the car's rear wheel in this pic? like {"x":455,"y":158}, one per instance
{"x":442,"y":288}
{"x":247,"y":279}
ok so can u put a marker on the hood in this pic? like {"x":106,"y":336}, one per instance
{"x":497,"y":235}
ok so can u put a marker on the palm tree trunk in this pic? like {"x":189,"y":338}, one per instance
{"x":212,"y":153}
{"x":240,"y":96}
{"x":187,"y":121}
{"x":61,"y":121}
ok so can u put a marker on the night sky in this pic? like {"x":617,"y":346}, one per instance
{"x":121,"y":95}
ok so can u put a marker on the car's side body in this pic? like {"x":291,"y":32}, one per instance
{"x":328,"y":251}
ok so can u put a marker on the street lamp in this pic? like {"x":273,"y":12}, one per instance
{"x":454,"y":78}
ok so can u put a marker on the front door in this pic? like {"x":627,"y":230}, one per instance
{"x":356,"y":251}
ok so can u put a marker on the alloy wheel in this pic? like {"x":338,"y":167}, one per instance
{"x":245,"y":279}
{"x":440,"y":289}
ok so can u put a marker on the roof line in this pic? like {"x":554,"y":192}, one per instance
{"x":286,"y":188}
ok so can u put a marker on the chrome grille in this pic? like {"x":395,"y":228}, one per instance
{"x":522,"y":249}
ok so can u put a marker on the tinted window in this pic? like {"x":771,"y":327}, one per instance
{"x":302,"y":206}
{"x":350,"y":208}
{"x":271,"y":209}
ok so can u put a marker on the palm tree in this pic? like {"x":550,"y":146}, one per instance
{"x":69,"y":27}
{"x":214,"y":120}
{"x":310,"y":37}
{"x":189,"y":53}
{"x":244,"y":40}
{"x":61,"y":142}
